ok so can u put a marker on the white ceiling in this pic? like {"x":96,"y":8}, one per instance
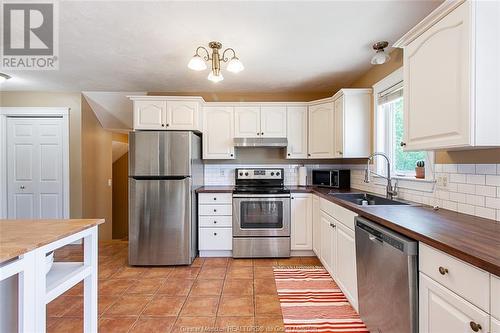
{"x":285,"y":46}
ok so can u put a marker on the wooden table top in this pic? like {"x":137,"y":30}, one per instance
{"x":21,"y":236}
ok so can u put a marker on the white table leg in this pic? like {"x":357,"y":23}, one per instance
{"x":26,"y":294}
{"x":40,"y":290}
{"x":90,"y":283}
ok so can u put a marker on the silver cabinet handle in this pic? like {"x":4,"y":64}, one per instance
{"x":22,"y":187}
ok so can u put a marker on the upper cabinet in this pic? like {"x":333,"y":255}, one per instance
{"x":260,"y":121}
{"x":352,"y":123}
{"x":166,"y":113}
{"x":296,"y":129}
{"x":218,"y":132}
{"x":452,"y":77}
{"x":321,"y":131}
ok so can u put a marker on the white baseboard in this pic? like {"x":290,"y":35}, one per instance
{"x":208,"y":254}
{"x":302,"y":253}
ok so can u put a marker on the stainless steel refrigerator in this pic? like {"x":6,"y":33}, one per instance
{"x":165,"y":168}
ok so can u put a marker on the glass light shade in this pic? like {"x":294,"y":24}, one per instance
{"x":4,"y":77}
{"x":215,"y":78}
{"x":197,"y":63}
{"x":235,"y":65}
{"x":380,"y":58}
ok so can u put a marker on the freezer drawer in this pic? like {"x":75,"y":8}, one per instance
{"x":160,"y":223}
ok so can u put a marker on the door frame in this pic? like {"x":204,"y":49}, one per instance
{"x":33,"y":112}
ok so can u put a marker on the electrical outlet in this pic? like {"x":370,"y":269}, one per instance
{"x":222,"y":173}
{"x":110,"y":182}
{"x":442,"y":181}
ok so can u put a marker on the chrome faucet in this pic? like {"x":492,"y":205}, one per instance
{"x":391,"y":191}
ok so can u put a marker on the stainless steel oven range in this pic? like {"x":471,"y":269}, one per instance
{"x":261,"y":214}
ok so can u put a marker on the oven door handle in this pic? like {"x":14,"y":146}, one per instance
{"x":261,"y":195}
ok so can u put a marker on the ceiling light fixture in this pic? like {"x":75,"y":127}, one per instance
{"x":4,"y":77}
{"x":197,"y":62}
{"x":380,"y":56}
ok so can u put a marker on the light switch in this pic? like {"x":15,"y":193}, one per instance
{"x":110,"y":182}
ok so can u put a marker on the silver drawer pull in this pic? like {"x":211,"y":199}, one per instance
{"x":443,"y":271}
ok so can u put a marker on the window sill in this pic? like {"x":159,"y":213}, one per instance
{"x":410,"y":183}
{"x":409,"y":179}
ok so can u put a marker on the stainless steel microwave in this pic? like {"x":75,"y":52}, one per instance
{"x":340,"y":179}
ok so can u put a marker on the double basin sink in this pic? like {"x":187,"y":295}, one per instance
{"x":365,"y":199}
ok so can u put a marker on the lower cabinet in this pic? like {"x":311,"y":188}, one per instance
{"x":328,"y":242}
{"x":441,"y":310}
{"x":346,"y":263}
{"x":316,"y":221}
{"x":215,"y":224}
{"x":302,"y":224}
{"x":495,"y":325}
{"x":216,"y":239}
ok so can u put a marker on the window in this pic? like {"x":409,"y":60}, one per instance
{"x":390,"y":129}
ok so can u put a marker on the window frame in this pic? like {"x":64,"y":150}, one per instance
{"x":383,"y":133}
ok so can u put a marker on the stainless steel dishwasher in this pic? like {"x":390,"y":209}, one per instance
{"x":387,"y":270}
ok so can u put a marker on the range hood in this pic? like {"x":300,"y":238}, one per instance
{"x":261,"y":142}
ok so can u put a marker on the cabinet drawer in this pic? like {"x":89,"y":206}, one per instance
{"x":495,"y":297}
{"x":215,"y":198}
{"x":345,"y":216}
{"x":212,"y":210}
{"x":467,"y":281}
{"x":216,"y":239}
{"x":216,"y":221}
{"x":327,"y":206}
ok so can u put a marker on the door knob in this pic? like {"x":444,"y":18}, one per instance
{"x":22,"y":187}
{"x":475,"y":326}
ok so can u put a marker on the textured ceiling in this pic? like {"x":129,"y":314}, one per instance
{"x":285,"y":46}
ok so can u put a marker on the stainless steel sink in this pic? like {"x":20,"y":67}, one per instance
{"x":365,"y":199}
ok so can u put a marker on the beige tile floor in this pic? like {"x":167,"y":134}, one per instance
{"x":211,"y":295}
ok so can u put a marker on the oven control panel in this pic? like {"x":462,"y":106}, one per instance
{"x":259,"y":173}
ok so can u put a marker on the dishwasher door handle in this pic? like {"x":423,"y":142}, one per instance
{"x":375,"y":239}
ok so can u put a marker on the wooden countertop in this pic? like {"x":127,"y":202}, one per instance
{"x":20,"y":236}
{"x":472,"y":239}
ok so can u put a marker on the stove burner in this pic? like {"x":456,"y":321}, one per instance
{"x":260,"y":181}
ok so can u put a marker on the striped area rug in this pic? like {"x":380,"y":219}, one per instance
{"x":312,"y":302}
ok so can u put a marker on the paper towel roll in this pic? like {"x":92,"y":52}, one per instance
{"x":302,"y":176}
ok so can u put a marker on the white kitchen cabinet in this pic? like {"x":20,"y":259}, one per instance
{"x":328,"y":243}
{"x":166,"y":113}
{"x":495,"y":296}
{"x":296,"y":132}
{"x":441,"y":310}
{"x":247,"y":121}
{"x":273,"y":121}
{"x":321,"y":131}
{"x":216,"y":239}
{"x":316,"y":226}
{"x":150,"y":114}
{"x":183,"y":115}
{"x":218,"y":132}
{"x":495,"y":325}
{"x":215,"y":232}
{"x":451,"y":77}
{"x":260,"y":121}
{"x":346,"y":275}
{"x":302,"y":221}
{"x":352,"y":123}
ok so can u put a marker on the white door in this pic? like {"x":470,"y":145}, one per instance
{"x":316,"y":226}
{"x":247,"y":122}
{"x":437,"y":84}
{"x":296,"y":132}
{"x":339,"y":126}
{"x":328,"y":242}
{"x":182,"y":115}
{"x":321,"y":131}
{"x":35,"y":168}
{"x":441,"y":310}
{"x":346,"y":263}
{"x":273,"y":121}
{"x":301,"y":233}
{"x":150,"y":114}
{"x":218,"y":133}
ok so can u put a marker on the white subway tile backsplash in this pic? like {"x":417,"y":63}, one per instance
{"x":486,"y":169}
{"x":450,"y":168}
{"x":492,"y":202}
{"x":458,"y":197}
{"x":465,"y":208}
{"x":466,"y":188}
{"x":492,"y":180}
{"x":475,"y":200}
{"x":466,"y":168}
{"x":487,"y":213}
{"x":458,"y":178}
{"x":476,"y":179}
{"x":489,"y":191}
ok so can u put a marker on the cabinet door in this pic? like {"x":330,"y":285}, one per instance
{"x":339,"y":126}
{"x":321,"y":131}
{"x":273,"y":121}
{"x":328,"y":242}
{"x":346,"y":263}
{"x":218,"y":133}
{"x":296,"y":132}
{"x":301,"y":234}
{"x":437,"y":84}
{"x":441,"y":310}
{"x":316,"y":226}
{"x":150,"y":114}
{"x":495,"y":325}
{"x":182,"y":115}
{"x":247,"y":122}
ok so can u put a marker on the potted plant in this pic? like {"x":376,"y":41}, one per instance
{"x":420,"y":169}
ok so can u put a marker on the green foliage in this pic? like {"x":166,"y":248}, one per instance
{"x":404,"y":161}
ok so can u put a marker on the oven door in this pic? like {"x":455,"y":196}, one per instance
{"x":261,"y":215}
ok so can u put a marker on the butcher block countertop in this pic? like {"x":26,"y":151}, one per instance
{"x":18,"y":237}
{"x":472,"y":239}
